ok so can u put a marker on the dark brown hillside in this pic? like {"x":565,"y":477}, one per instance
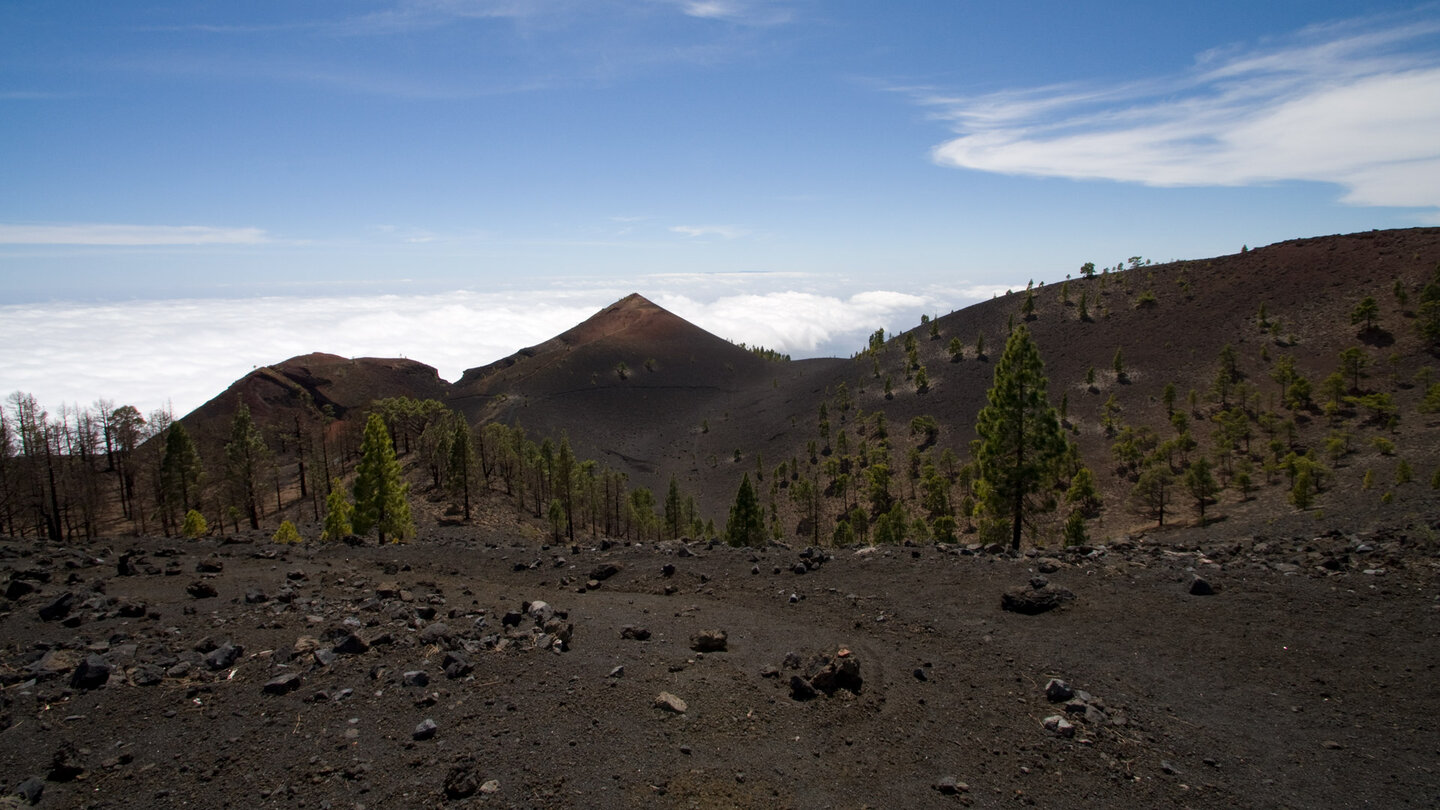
{"x":630,"y":344}
{"x":1308,"y":287}
{"x":637,"y":388}
{"x":306,"y":388}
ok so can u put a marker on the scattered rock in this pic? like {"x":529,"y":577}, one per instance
{"x":436,"y":633}
{"x":92,"y":673}
{"x":256,"y":596}
{"x":147,"y":675}
{"x":670,"y":703}
{"x":1057,"y":690}
{"x":425,"y":730}
{"x":283,"y":684}
{"x":457,"y":665}
{"x":415,"y":677}
{"x":539,"y":611}
{"x":31,"y":790}
{"x":351,"y":644}
{"x":224,"y":655}
{"x":1201,"y":587}
{"x":634,"y":633}
{"x":1038,"y":597}
{"x":1059,"y":726}
{"x":18,"y":588}
{"x":801,"y":689}
{"x":460,"y":782}
{"x":64,"y":764}
{"x":59,"y":608}
{"x":1048,"y":565}
{"x":210,"y":565}
{"x":200,"y":589}
{"x":709,"y":641}
{"x":604,"y":571}
{"x":950,"y":786}
{"x":840,"y":672}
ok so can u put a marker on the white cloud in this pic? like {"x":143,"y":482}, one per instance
{"x":128,"y":235}
{"x":1336,"y":104}
{"x":802,"y":324}
{"x":727,"y":231}
{"x":184,"y":352}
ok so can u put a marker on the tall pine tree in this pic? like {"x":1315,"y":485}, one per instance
{"x":1020,"y":438}
{"x":245,"y":457}
{"x":180,"y":471}
{"x":379,"y":492}
{"x":462,"y":464}
{"x":746,"y":526}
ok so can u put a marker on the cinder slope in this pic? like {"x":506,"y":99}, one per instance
{"x":307,"y":386}
{"x":636,"y":387}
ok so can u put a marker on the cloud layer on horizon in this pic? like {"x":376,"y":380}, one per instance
{"x":127,"y":235}
{"x":1355,"y":104}
{"x":182,"y":352}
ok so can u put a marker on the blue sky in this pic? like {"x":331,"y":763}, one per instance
{"x":856,"y":163}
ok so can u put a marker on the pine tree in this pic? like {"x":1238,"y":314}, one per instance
{"x":1083,"y":494}
{"x":1428,"y":316}
{"x":1366,"y":312}
{"x":566,"y":480}
{"x":746,"y":526}
{"x":461,"y":473}
{"x":245,"y":456}
{"x":1151,"y":493}
{"x":180,"y":470}
{"x":337,"y":514}
{"x":380,"y":502}
{"x":674,"y":518}
{"x":1201,"y":484}
{"x":1020,"y":439}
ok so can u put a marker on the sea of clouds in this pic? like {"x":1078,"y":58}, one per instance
{"x":178,"y":353}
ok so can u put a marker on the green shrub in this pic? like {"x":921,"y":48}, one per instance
{"x":195,"y":526}
{"x":287,"y":534}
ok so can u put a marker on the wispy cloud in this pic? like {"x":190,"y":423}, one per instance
{"x":128,"y":235}
{"x":746,"y":12}
{"x":31,"y":95}
{"x":410,"y":15}
{"x":726,"y":231}
{"x":1355,"y":104}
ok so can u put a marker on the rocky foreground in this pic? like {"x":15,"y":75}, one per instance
{"x":471,"y":669}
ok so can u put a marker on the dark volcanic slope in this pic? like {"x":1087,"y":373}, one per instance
{"x":277,"y":394}
{"x":1308,"y":287}
{"x":638,"y":388}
